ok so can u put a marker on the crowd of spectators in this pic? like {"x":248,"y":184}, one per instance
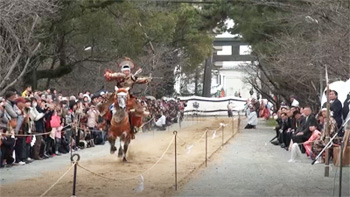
{"x":36,"y":125}
{"x":301,"y":130}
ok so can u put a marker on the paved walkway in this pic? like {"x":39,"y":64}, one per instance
{"x":251,"y":166}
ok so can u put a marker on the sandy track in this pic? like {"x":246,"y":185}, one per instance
{"x":144,"y":152}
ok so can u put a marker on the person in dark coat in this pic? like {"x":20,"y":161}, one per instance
{"x":283,"y":138}
{"x":7,"y":148}
{"x":337,"y":109}
{"x":346,"y":107}
{"x":305,"y":133}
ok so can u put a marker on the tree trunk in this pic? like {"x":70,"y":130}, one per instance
{"x":196,"y":82}
{"x":207,"y":76}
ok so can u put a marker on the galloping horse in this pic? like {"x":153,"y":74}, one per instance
{"x":120,"y":120}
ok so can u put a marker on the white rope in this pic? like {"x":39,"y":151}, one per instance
{"x":37,"y":134}
{"x":146,"y":122}
{"x":30,"y":135}
{"x":58,"y":180}
{"x":214,"y":134}
{"x":166,"y":150}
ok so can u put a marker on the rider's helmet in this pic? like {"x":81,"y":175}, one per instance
{"x":126,"y":65}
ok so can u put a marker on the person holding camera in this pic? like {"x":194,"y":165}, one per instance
{"x":15,"y":118}
{"x":39,"y":128}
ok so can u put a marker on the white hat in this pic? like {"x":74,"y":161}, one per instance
{"x":125,"y":67}
{"x":87,"y":96}
{"x":72,"y":98}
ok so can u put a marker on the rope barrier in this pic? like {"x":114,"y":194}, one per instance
{"x":34,"y":134}
{"x":192,"y":144}
{"x":133,"y":177}
{"x":146,"y":122}
{"x":31,"y":135}
{"x":58,"y":180}
{"x":130,"y":178}
{"x":189,"y":146}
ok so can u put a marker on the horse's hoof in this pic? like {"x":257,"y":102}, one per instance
{"x":112,"y":152}
{"x":124,"y":159}
{"x":113,"y":149}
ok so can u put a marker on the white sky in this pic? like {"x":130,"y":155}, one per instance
{"x":229,"y":24}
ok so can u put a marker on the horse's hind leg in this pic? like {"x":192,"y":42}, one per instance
{"x":111,"y":140}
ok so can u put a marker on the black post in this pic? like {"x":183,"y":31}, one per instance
{"x":75,"y":161}
{"x":74,"y":179}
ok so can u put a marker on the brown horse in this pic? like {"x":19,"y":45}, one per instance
{"x":124,"y":106}
{"x":120,"y":124}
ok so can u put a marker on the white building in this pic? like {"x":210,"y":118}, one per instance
{"x":229,"y":55}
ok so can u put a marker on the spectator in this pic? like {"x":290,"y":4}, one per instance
{"x":336,"y":108}
{"x":305,"y":133}
{"x":27,"y":92}
{"x":20,"y":146}
{"x":7,"y":144}
{"x":252,"y":119}
{"x":285,"y":131}
{"x":39,"y":128}
{"x":346,"y":106}
{"x":308,"y":144}
{"x":229,"y":109}
{"x":3,"y":116}
{"x":319,"y":144}
{"x":256,"y":104}
{"x":161,"y":122}
{"x":294,"y":102}
{"x":14,"y":114}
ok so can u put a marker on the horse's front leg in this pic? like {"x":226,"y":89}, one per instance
{"x":126,"y":145}
{"x":111,"y":139}
{"x":120,"y":151}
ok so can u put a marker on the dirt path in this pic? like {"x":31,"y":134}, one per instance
{"x":144,"y":152}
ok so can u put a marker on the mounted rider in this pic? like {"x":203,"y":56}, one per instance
{"x":125,"y":79}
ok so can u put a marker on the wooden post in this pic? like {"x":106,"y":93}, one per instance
{"x":175,"y":133}
{"x":206,"y":148}
{"x":233,"y":129}
{"x":222,"y":134}
{"x":239,"y":122}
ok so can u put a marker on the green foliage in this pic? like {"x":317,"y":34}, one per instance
{"x":196,"y":43}
{"x":114,"y":30}
{"x":258,"y":24}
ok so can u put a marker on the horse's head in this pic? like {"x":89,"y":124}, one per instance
{"x":122,"y":95}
